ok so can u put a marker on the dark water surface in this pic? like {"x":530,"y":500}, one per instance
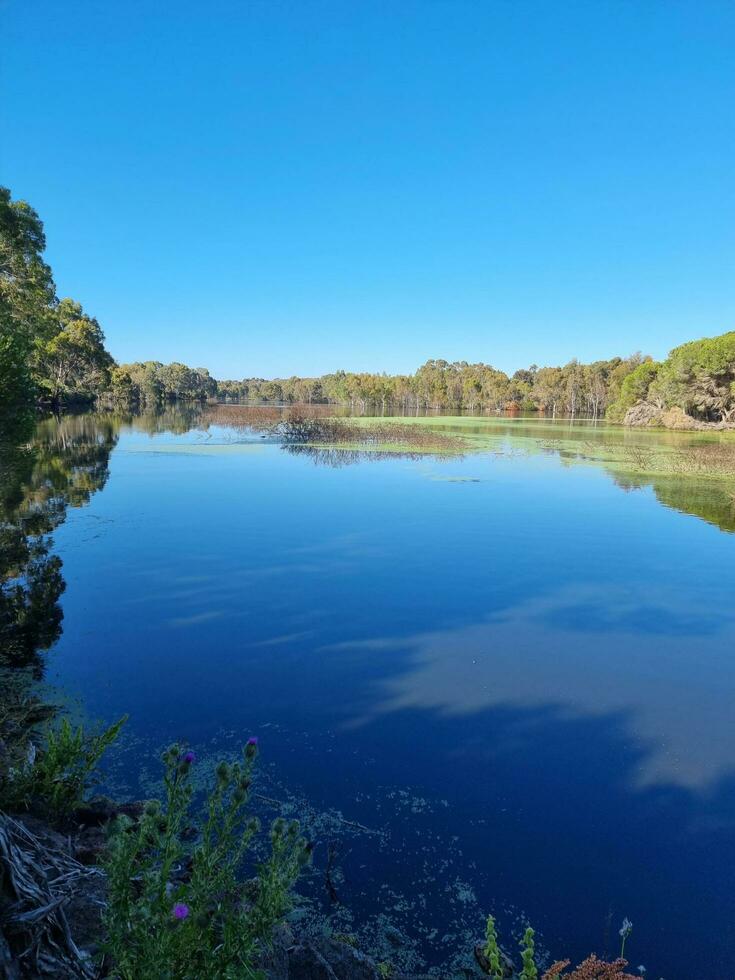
{"x":516,"y":674}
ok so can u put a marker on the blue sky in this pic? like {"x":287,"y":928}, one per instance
{"x":268,"y":188}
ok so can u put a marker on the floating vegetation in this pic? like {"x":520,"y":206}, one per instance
{"x":334,"y":441}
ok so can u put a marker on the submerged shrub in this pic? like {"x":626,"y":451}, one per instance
{"x":182,"y":912}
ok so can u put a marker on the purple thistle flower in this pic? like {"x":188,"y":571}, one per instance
{"x":189,"y":757}
{"x":180,"y":911}
{"x":253,"y":740}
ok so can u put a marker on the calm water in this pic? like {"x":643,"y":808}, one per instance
{"x":514,"y":674}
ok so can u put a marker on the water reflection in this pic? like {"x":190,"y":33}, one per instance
{"x":535,"y":659}
{"x":583,"y":652}
{"x":336,"y":458}
{"x":61,"y":466}
{"x":711,"y":500}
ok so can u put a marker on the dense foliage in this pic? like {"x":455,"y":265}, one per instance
{"x":53,"y":352}
{"x":698,"y":377}
{"x":576,"y":389}
{"x":48,"y":348}
{"x":151,"y":383}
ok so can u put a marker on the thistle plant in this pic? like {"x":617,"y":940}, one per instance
{"x":182,"y":912}
{"x":528,"y":949}
{"x":492,"y":950}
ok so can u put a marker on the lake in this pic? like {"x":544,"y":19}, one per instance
{"x":500,"y":681}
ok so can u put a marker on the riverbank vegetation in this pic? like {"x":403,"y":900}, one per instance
{"x":575,"y":389}
{"x":169,"y":890}
{"x":53,"y":353}
{"x":50,"y":349}
{"x":697,"y":378}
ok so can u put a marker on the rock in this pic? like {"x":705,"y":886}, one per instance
{"x":100,"y":810}
{"x":643,"y":414}
{"x":346,"y":962}
{"x":84,"y":912}
{"x":482,"y":961}
{"x":274,"y":960}
{"x":304,"y":963}
{"x":134,"y":809}
{"x":95,"y":812}
{"x":89,"y":845}
{"x":322,"y":959}
{"x":42,"y":832}
{"x":675,"y":418}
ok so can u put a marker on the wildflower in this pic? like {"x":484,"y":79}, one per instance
{"x":180,"y":911}
{"x":251,"y":747}
{"x":189,"y":757}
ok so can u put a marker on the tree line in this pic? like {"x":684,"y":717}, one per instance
{"x":53,"y":353}
{"x":574,"y":389}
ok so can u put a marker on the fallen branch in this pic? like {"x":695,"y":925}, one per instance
{"x":38,"y":880}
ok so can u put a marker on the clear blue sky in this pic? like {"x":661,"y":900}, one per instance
{"x":270,"y":188}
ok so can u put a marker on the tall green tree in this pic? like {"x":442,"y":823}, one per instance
{"x":73,"y":363}
{"x":48,"y":349}
{"x":27,"y":296}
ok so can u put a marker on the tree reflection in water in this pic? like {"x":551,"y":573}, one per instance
{"x":42,"y":473}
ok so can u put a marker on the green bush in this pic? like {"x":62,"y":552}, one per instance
{"x":56,"y":778}
{"x":182,"y":912}
{"x":634,"y":389}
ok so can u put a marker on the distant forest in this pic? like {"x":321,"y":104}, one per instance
{"x":53,"y":354}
